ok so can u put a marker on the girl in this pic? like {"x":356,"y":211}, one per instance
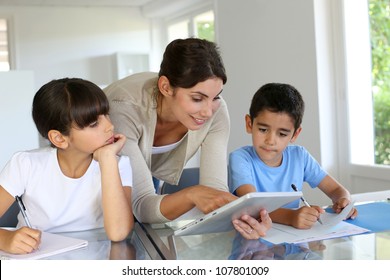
{"x":78,"y":183}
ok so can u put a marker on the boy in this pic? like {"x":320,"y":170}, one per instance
{"x":271,"y":164}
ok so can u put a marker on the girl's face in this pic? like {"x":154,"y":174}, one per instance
{"x":92,"y":137}
{"x":194,"y":106}
{"x":271,"y":133}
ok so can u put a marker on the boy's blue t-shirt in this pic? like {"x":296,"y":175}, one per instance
{"x":298,"y":166}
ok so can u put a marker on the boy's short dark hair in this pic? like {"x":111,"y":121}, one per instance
{"x":63,"y":103}
{"x":277,"y":97}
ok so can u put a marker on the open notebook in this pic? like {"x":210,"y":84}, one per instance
{"x":332,"y":226}
{"x":51,"y":244}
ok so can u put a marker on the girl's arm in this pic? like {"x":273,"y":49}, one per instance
{"x":21,"y":241}
{"x":116,"y":199}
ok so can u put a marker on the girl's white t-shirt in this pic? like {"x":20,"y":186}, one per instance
{"x":53,"y":201}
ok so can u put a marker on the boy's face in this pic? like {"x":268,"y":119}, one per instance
{"x":271,"y":133}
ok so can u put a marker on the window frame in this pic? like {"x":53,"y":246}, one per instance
{"x":190,"y":17}
{"x":357,"y":166}
{"x":11,"y":52}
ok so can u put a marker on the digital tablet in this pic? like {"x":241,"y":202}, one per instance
{"x":220,"y":220}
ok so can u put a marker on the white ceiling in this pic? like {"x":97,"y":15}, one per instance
{"x":115,"y":3}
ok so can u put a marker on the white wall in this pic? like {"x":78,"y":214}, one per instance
{"x":18,"y":130}
{"x":56,"y":42}
{"x":270,"y":41}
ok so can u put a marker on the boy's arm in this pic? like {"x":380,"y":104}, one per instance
{"x":244,"y":189}
{"x":116,"y":199}
{"x":339,"y":195}
{"x":302,"y":218}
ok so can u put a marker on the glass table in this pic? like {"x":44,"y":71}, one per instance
{"x":230,"y":245}
{"x":137,"y":246}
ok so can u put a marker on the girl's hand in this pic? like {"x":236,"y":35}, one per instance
{"x":110,"y":149}
{"x":21,"y":241}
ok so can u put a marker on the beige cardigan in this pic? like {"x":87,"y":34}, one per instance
{"x":133,"y":113}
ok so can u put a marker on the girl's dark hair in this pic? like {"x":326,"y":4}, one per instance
{"x":187,"y":62}
{"x":63,"y":103}
{"x":277,"y":97}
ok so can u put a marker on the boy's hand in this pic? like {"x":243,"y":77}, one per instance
{"x":22,"y":241}
{"x":339,"y":205}
{"x":305,"y":217}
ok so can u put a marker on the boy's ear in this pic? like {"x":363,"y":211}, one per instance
{"x":248,"y":124}
{"x":57,"y":139}
{"x":164,"y":86}
{"x":296,"y":134}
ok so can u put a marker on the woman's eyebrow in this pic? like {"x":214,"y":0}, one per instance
{"x":205,"y":95}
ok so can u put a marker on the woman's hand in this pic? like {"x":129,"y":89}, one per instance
{"x":207,"y":199}
{"x":250,"y":228}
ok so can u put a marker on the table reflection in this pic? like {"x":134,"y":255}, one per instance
{"x":243,"y":249}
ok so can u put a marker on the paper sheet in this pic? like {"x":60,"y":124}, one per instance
{"x":51,"y":244}
{"x":332,"y":226}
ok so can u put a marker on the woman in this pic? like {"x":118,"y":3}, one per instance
{"x":166,"y":118}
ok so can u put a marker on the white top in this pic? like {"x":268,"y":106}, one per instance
{"x":55,"y":202}
{"x":166,"y":148}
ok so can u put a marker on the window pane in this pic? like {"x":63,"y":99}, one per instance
{"x":4,"y":56}
{"x":379,"y":11}
{"x":204,"y":26}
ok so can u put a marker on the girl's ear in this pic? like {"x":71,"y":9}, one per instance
{"x":164,"y":86}
{"x":296,"y":134}
{"x":248,"y":124}
{"x":57,"y":139}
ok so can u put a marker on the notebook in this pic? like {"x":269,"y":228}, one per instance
{"x":51,"y":244}
{"x":220,"y":220}
{"x":333,"y":226}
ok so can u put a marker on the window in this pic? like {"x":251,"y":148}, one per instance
{"x":200,"y":25}
{"x":379,"y":11}
{"x":4,"y":48}
{"x":368,"y":80}
{"x":356,"y":90}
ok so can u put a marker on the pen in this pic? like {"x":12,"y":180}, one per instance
{"x":23,"y":210}
{"x":304,"y":200}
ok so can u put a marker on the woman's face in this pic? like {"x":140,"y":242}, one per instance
{"x":194,"y":106}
